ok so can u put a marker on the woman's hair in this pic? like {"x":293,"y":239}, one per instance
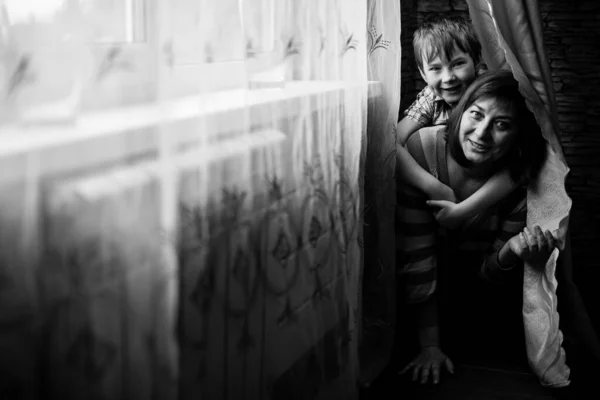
{"x":439,"y":35}
{"x":527,"y":153}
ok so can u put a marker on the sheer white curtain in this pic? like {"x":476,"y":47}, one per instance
{"x":379,"y":282}
{"x":179,"y":213}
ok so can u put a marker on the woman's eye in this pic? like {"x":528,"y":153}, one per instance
{"x":502,"y":125}
{"x":476,"y":114}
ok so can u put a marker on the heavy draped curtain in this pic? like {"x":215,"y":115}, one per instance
{"x":512,"y":38}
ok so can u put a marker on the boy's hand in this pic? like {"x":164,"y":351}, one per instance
{"x":446,"y":213}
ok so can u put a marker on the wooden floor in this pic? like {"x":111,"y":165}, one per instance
{"x":491,"y":375}
{"x":469,"y":382}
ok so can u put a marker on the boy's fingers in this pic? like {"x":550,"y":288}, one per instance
{"x":437,"y":203}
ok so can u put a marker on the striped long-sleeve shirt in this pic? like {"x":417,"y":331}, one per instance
{"x":475,"y":244}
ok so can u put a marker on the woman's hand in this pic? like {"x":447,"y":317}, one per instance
{"x":428,"y":362}
{"x":533,"y":247}
{"x":447,"y":214}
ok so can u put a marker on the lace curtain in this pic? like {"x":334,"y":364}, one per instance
{"x":379,"y":278}
{"x":180,"y":215}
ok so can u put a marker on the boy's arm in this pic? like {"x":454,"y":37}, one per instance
{"x":417,"y":115}
{"x":495,"y":189}
{"x":409,"y":171}
{"x":451,"y":215}
{"x":406,"y":127}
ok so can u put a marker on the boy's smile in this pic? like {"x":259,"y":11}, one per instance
{"x":449,"y":78}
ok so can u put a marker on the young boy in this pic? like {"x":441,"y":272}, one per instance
{"x":448,"y":55}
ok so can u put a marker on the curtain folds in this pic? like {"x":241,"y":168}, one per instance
{"x":511,"y":35}
{"x":378,"y":286}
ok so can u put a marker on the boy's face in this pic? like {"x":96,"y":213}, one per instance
{"x":449,"y":78}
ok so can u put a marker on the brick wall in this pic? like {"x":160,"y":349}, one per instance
{"x":571,"y":33}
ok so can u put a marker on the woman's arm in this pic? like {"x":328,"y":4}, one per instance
{"x":515,"y":242}
{"x":533,"y":246}
{"x":416,"y":230}
{"x":426,"y":321}
{"x":500,"y":259}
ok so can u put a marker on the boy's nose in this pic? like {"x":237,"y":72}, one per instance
{"x":448,"y":76}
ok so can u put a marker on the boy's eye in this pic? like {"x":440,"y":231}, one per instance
{"x":434,"y":68}
{"x":459,"y":63}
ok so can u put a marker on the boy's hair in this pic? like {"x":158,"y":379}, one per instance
{"x":439,"y":35}
{"x":527,"y":153}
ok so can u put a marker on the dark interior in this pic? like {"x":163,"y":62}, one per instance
{"x":499,"y":371}
{"x":571,"y":33}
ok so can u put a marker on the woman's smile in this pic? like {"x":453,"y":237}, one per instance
{"x":479,"y":148}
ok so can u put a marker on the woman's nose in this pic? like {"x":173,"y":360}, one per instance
{"x":482,"y":130}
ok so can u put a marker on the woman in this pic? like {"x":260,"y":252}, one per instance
{"x":466,"y":283}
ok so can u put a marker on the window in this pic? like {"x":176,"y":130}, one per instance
{"x":61,"y":57}
{"x":144,"y":64}
{"x":109,"y":21}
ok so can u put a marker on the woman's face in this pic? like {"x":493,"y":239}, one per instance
{"x":487,"y":130}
